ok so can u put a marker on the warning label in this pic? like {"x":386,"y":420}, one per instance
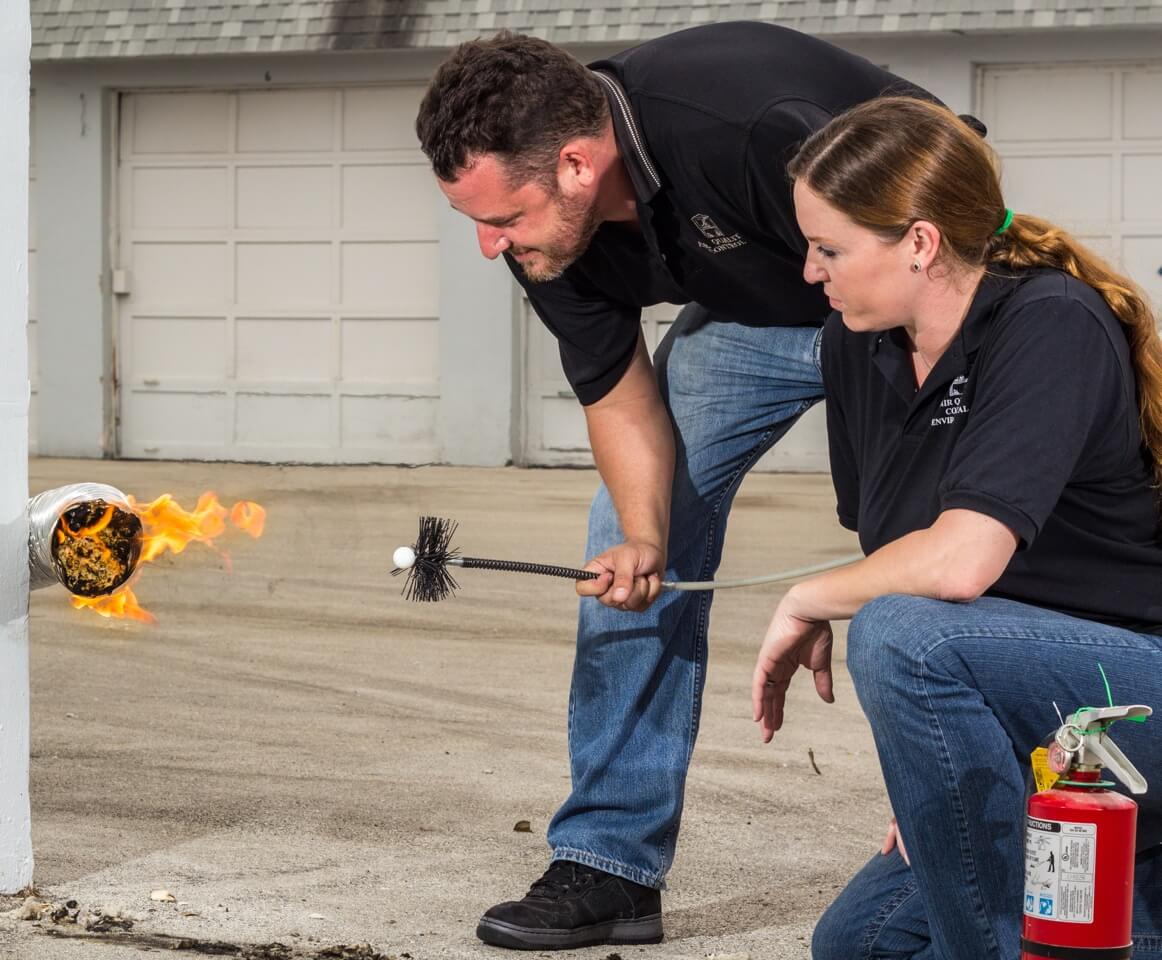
{"x":1059,"y":868}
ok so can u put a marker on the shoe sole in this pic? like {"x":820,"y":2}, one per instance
{"x":501,"y":934}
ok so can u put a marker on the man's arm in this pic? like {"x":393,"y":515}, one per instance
{"x":633,"y":445}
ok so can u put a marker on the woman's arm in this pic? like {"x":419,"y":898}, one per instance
{"x":957,"y":558}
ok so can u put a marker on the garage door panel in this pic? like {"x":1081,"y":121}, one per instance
{"x":170,"y":348}
{"x":1142,"y":258}
{"x":283,"y":421}
{"x":1142,"y":187}
{"x":1048,"y":187}
{"x":1115,"y":205}
{"x":406,"y":423}
{"x":165,"y":123}
{"x":1141,"y":100}
{"x":281,"y":197}
{"x":1031,"y":105}
{"x":280,"y":121}
{"x":162,"y":422}
{"x":286,"y":275}
{"x":180,"y":275}
{"x":1104,"y":246}
{"x":390,"y":350}
{"x":180,"y":197}
{"x":280,"y":349}
{"x":396,"y":200}
{"x":381,"y":118}
{"x":564,"y":426}
{"x":401,"y":279}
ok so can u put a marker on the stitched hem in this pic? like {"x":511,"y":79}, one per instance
{"x":616,"y":867}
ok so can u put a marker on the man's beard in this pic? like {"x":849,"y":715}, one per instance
{"x":577,"y":223}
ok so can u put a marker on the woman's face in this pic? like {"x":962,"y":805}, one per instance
{"x":868,"y":280}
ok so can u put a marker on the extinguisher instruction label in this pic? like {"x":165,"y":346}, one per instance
{"x":1059,"y":870}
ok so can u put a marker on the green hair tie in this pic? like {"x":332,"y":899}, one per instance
{"x":1004,"y":226}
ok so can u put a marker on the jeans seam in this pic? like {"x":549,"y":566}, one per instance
{"x":949,"y":771}
{"x":883,"y":915}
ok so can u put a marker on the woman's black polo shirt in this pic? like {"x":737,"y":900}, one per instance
{"x":1030,"y":417}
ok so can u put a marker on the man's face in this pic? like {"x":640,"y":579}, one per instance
{"x":543,"y":231}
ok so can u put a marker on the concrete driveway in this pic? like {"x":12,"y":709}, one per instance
{"x":304,"y":758}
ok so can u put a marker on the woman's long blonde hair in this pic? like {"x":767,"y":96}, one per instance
{"x":890,"y":162}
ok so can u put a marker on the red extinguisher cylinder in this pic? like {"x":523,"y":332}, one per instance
{"x":1079,"y":871}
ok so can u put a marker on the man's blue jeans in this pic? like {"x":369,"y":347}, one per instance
{"x":732,"y":391}
{"x":958,"y":696}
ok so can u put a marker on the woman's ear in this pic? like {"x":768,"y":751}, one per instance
{"x":923,"y":243}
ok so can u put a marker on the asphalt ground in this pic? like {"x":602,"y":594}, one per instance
{"x":305,"y":759}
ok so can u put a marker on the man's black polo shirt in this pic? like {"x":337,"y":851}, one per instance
{"x":706,"y":120}
{"x":1030,"y":417}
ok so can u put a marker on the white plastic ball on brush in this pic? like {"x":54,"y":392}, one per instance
{"x":403,"y":558}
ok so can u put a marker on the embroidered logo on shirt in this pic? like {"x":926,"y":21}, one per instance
{"x":953,"y":406}
{"x":719,"y":241}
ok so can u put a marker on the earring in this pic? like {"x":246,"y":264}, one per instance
{"x":915,"y":266}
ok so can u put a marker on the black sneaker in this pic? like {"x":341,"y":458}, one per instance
{"x":573,"y":905}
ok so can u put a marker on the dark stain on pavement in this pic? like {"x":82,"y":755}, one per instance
{"x":148,"y":942}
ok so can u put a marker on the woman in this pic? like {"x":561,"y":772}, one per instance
{"x":994,"y":395}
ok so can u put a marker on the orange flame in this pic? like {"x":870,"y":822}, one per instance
{"x":167,"y":526}
{"x":248,"y":516}
{"x":122,"y":603}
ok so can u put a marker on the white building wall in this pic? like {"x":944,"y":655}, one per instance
{"x":15,"y":825}
{"x":481,"y":362}
{"x":74,"y":389}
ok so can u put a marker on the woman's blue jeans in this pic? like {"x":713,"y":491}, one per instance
{"x":958,"y":696}
{"x":732,"y":391}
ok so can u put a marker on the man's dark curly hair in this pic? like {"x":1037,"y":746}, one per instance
{"x":515,"y":96}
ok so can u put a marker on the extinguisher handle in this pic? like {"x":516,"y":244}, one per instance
{"x":1091,"y":725}
{"x":1112,"y":758}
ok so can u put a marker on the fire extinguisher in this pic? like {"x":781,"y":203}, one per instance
{"x":1079,"y":845}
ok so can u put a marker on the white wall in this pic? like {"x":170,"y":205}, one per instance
{"x":481,"y":375}
{"x":74,"y":345}
{"x":15,"y":826}
{"x":479,"y":362}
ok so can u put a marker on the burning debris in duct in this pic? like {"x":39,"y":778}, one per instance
{"x":95,"y":547}
{"x":94,"y":540}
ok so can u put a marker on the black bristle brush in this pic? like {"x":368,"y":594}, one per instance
{"x":426,"y":564}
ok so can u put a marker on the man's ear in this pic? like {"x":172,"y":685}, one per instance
{"x":576,"y":166}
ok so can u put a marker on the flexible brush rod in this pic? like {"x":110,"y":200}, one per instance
{"x":793,"y":574}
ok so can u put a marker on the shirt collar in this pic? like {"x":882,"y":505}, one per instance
{"x":891,"y":350}
{"x":643,"y":172}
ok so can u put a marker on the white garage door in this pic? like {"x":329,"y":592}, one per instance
{"x":278,"y":277}
{"x":1082,"y":145}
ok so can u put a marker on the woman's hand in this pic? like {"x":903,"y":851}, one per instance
{"x":792,"y":641}
{"x":894,"y":839}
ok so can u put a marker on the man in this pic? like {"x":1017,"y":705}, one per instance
{"x":654,"y":176}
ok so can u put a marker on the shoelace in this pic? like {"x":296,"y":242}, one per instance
{"x":561,"y":876}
